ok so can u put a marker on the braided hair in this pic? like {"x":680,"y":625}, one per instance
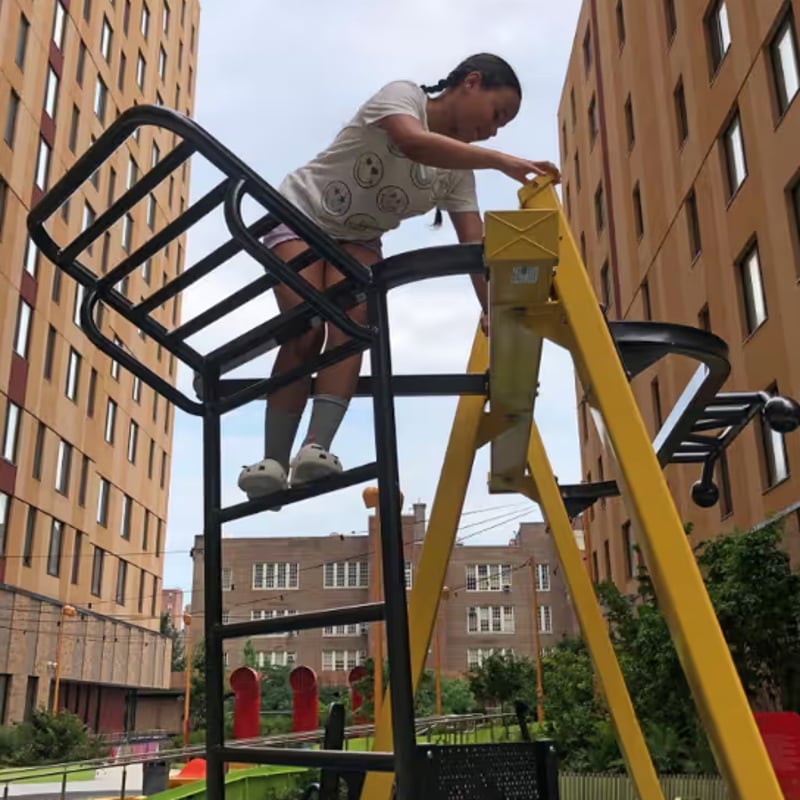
{"x":495,"y":74}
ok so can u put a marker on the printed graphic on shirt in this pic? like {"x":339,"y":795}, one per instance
{"x":368,"y":170}
{"x":392,"y":200}
{"x":394,"y":149}
{"x":336,"y":198}
{"x":362,"y":223}
{"x":422,"y":176}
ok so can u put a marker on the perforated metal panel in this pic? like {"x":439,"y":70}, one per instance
{"x":482,"y":772}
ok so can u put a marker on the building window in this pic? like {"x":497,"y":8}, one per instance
{"x":144,"y":24}
{"x":693,"y":225}
{"x":735,"y":156}
{"x":542,"y":577}
{"x":620,"y":24}
{"x":100,"y":99}
{"x":283,"y":575}
{"x":141,"y":67}
{"x":476,"y":656}
{"x":275,"y":613}
{"x":774,"y":450}
{"x":607,"y":557}
{"x":11,"y":433}
{"x":576,"y":165}
{"x":63,"y":467}
{"x":331,"y":630}
{"x":3,"y":203}
{"x":75,"y":573}
{"x":125,"y":517}
{"x":103,"y":492}
{"x":630,"y":130}
{"x":719,"y":34}
{"x":98,"y":557}
{"x":630,"y":550}
{"x":73,"y":375}
{"x":753,"y":297}
{"x":162,"y":63}
{"x":346,"y":575}
{"x":122,"y":579}
{"x":724,"y":485}
{"x":133,"y":439}
{"x":106,"y":37}
{"x":793,"y":195}
{"x":488,"y":577}
{"x":92,"y":392}
{"x":11,"y":118}
{"x":111,"y":418}
{"x":30,"y":536}
{"x":592,"y":120}
{"x":655,"y":397}
{"x":599,"y":209}
{"x":704,"y":319}
{"x":23,"y":328}
{"x":51,"y":93}
{"x":140,"y":602}
{"x":587,"y":50}
{"x":681,"y":117}
{"x":127,"y":232}
{"x":79,"y":68}
{"x":5,"y":505}
{"x":165,"y":18}
{"x":227,"y":579}
{"x":638,"y":215}
{"x":545,"y":619}
{"x":670,"y":19}
{"x":43,"y":164}
{"x":49,"y":352}
{"x":342,"y":660}
{"x":38,"y":451}
{"x":785,"y":68}
{"x":59,"y":25}
{"x":136,"y":389}
{"x":151,"y":212}
{"x":83,"y":485}
{"x":605,"y":287}
{"x":55,"y":546}
{"x":490,"y":619}
{"x":22,"y":41}
{"x":647,"y":308}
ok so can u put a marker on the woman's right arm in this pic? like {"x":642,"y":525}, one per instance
{"x":436,"y":150}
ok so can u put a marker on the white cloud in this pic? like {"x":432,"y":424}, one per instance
{"x":273,"y":85}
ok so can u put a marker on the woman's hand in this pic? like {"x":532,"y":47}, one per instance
{"x":520,"y":169}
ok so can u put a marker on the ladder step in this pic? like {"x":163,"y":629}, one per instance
{"x":346,"y":615}
{"x":346,"y":761}
{"x":351,"y":477}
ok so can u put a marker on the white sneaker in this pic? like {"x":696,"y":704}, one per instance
{"x":313,"y":462}
{"x":262,"y":479}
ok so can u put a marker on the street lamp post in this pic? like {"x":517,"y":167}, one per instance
{"x":66,"y":611}
{"x":187,"y":621}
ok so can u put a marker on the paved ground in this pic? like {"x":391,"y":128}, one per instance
{"x":106,"y":783}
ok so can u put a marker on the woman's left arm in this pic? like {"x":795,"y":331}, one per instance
{"x":469,"y":229}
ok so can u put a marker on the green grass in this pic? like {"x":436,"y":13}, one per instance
{"x":40,"y":775}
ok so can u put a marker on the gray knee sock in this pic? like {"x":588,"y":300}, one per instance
{"x":326,"y":416}
{"x":280,"y":429}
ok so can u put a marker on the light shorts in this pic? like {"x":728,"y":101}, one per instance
{"x":283,"y":233}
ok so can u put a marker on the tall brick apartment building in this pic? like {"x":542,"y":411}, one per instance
{"x":679,"y":126}
{"x":488,"y":606}
{"x":84,"y":448}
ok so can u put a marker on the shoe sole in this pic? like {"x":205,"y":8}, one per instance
{"x":259,"y":486}
{"x":306,"y":473}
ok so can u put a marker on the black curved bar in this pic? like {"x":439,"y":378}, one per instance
{"x":271,"y":263}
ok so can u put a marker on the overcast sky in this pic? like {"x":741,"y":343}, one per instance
{"x":274,"y":84}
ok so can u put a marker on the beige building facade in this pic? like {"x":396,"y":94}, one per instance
{"x":84,"y":447}
{"x":679,"y":127}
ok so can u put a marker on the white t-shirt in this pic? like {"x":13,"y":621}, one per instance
{"x":362,"y":185}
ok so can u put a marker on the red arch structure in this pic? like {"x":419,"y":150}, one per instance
{"x":305,"y":703}
{"x":246,"y":685}
{"x":356,"y":699}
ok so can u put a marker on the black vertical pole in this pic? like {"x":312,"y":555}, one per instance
{"x":401,"y":687}
{"x":212,"y":536}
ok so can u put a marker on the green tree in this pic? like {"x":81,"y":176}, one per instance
{"x":276,"y":692}
{"x":250,"y":658}
{"x":502,"y":678}
{"x":457,"y":697}
{"x":178,"y":653}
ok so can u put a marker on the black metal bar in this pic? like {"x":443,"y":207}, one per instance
{"x":350,"y":477}
{"x":128,"y":200}
{"x":546,"y":759}
{"x":212,"y":603}
{"x":344,"y":615}
{"x":707,"y":424}
{"x":326,"y":309}
{"x":397,"y":635}
{"x":237,"y":299}
{"x":150,"y":377}
{"x":205,"y":265}
{"x":266,"y":386}
{"x":204,"y":206}
{"x":402,"y":385}
{"x":330,"y":759}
